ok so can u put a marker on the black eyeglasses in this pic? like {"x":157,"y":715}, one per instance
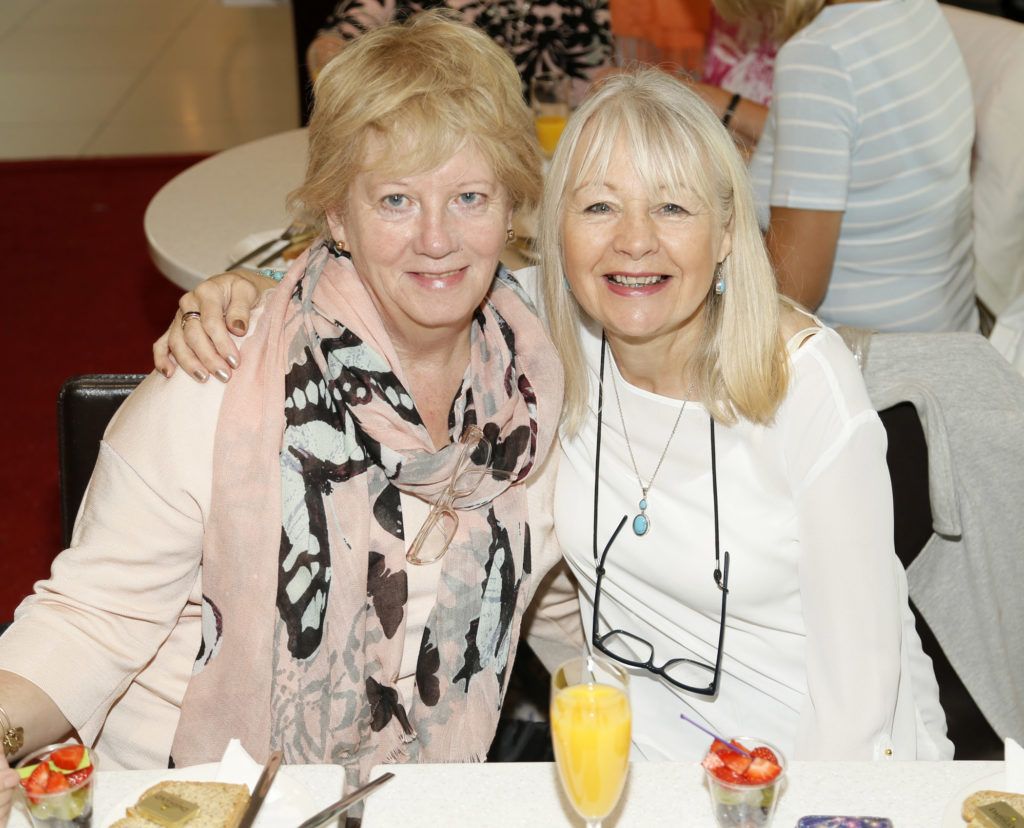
{"x":685,"y":673}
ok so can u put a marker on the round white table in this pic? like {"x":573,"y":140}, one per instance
{"x":198,"y":218}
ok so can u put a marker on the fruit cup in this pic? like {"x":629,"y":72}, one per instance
{"x":744,"y":789}
{"x":57,"y":785}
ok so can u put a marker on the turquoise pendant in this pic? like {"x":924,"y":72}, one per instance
{"x":641,"y":523}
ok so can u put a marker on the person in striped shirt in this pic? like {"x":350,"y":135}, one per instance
{"x":862,"y":163}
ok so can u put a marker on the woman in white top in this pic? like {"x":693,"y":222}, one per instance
{"x":862,"y":170}
{"x":734,"y":435}
{"x":715,"y":437}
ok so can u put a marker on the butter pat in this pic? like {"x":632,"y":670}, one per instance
{"x":998,"y":815}
{"x":167,"y":809}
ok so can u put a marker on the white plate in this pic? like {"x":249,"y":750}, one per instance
{"x":287,"y":804}
{"x":951,"y":816}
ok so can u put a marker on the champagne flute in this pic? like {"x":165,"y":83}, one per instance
{"x":590,"y":729}
{"x":549,"y":100}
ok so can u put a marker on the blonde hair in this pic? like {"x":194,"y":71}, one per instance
{"x":787,"y":16}
{"x":425,"y":87}
{"x":740,"y":364}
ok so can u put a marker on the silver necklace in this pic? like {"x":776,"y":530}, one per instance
{"x":642,"y":523}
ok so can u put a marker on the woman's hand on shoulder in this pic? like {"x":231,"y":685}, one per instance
{"x":8,"y":784}
{"x":203,"y":345}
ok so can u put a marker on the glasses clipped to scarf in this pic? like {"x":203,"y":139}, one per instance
{"x":689,"y":674}
{"x":472,"y":466}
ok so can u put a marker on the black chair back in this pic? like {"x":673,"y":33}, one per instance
{"x":85,"y":405}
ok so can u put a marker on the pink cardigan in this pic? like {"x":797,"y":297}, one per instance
{"x":120,"y":612}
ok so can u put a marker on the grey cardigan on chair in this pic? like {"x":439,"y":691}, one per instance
{"x":967,"y":580}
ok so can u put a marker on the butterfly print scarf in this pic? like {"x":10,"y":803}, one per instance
{"x":304,"y":584}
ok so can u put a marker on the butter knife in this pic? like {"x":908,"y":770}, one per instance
{"x":290,"y":232}
{"x":342,"y":805}
{"x":259,"y":793}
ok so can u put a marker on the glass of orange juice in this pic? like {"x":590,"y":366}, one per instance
{"x":590,"y":729}
{"x":549,"y":99}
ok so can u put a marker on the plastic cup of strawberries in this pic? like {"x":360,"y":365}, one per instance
{"x":744,"y":784}
{"x":57,"y":785}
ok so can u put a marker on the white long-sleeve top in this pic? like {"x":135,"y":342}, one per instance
{"x":820,"y":657}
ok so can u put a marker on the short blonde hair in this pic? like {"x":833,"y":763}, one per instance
{"x":787,"y":17}
{"x":740,"y":364}
{"x":426,"y":87}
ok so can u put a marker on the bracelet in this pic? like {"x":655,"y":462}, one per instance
{"x":730,"y":110}
{"x":271,"y":273}
{"x":13,"y":737}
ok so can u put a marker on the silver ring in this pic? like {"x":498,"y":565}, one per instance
{"x":185,"y":317}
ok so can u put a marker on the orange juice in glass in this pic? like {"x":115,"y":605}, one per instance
{"x":549,"y":130}
{"x":590,"y":730}
{"x":549,"y":100}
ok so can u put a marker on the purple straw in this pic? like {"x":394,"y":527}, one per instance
{"x":714,"y":735}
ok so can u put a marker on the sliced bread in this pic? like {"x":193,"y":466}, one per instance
{"x":979,"y":799}
{"x":221,"y":804}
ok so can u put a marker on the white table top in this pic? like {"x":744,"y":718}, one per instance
{"x":911,"y":794}
{"x":196,"y":219}
{"x":117,"y":789}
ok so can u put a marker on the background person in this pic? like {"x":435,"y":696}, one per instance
{"x":541,"y":36}
{"x":862,"y":165}
{"x":266,"y":525}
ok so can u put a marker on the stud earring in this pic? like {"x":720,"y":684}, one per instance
{"x":510,"y":235}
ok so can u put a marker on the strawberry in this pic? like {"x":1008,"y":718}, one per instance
{"x":712,"y":761}
{"x":736,"y":762}
{"x":765,"y":753}
{"x":761,"y":771}
{"x":57,"y":783}
{"x":726,"y":774}
{"x":68,"y":758}
{"x":77,"y":778}
{"x":35,"y":785}
{"x":723,"y":749}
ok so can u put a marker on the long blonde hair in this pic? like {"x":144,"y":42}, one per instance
{"x":740,"y":364}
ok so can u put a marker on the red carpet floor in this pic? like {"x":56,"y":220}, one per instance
{"x":82,"y":297}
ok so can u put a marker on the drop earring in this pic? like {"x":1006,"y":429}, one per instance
{"x":510,"y":235}
{"x":719,"y":280}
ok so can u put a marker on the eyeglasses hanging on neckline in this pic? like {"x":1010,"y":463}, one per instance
{"x":695,"y":676}
{"x":685,"y":673}
{"x":472,"y":465}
